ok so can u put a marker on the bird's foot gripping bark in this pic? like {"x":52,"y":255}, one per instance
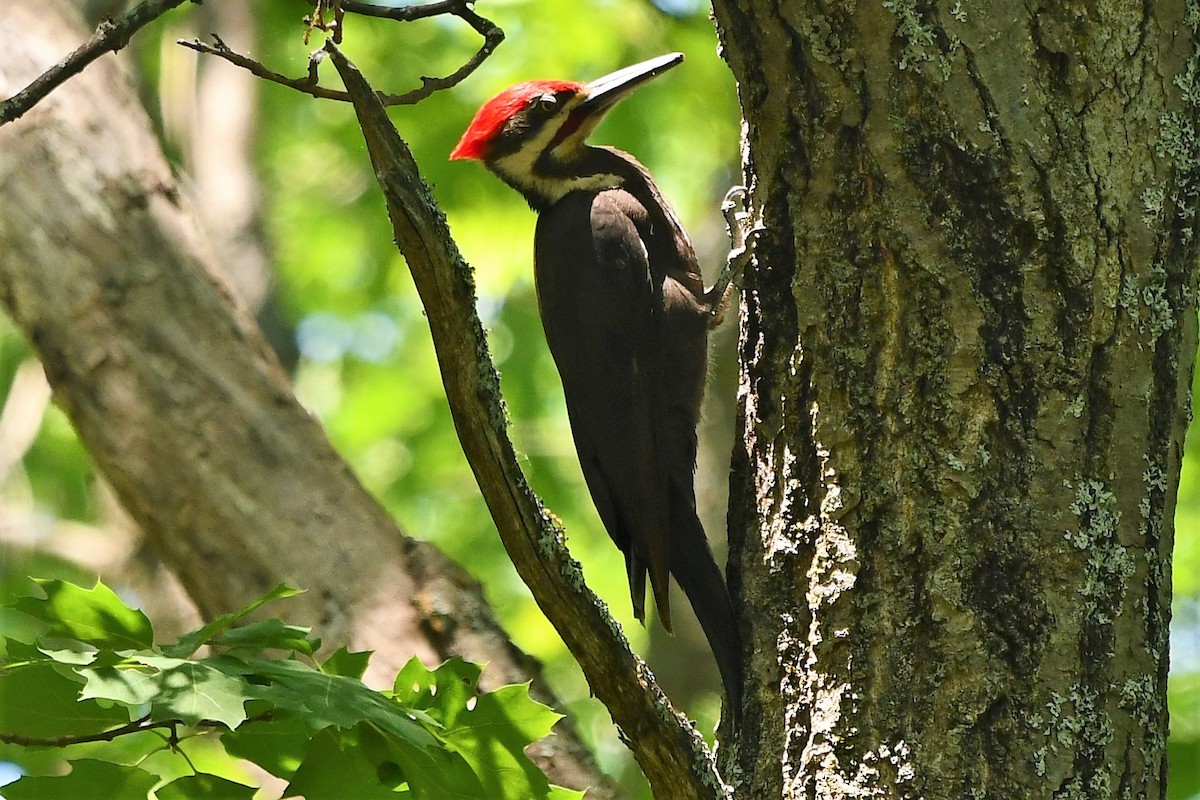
{"x":743,"y":230}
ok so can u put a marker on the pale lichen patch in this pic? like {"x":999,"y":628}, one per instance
{"x":1109,"y":564}
{"x":1154,"y":199}
{"x":918,"y":37}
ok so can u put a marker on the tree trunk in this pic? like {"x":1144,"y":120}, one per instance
{"x":967,"y":347}
{"x":184,"y":407}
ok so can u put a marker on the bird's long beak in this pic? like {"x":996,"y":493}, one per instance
{"x":603,"y":93}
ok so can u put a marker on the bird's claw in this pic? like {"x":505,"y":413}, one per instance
{"x":743,"y":230}
{"x":742,"y":227}
{"x":733,"y":207}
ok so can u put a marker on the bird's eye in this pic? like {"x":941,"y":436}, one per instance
{"x":547,"y":103}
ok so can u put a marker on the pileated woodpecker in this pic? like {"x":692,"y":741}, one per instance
{"x":626,"y":316}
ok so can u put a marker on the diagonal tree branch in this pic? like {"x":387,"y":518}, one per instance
{"x":110,"y":36}
{"x":669,"y":750}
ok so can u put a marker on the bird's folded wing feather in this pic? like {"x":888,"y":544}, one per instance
{"x":601,"y":308}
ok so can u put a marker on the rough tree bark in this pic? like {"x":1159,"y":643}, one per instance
{"x":183,"y":406}
{"x":967,"y":352}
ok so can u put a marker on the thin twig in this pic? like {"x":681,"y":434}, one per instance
{"x":316,"y":20}
{"x":308,"y":84}
{"x":491,"y":33}
{"x":492,"y":37}
{"x":137,"y":726}
{"x":110,"y":36}
{"x":403,"y":13}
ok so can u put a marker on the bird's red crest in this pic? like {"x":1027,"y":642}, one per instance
{"x":495,"y":112}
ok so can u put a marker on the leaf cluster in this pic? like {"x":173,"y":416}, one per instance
{"x":82,"y":674}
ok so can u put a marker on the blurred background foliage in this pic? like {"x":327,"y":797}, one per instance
{"x":341,"y":310}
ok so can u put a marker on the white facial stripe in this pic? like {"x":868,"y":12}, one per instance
{"x":520,"y":168}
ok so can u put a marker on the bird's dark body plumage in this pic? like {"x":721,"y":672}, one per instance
{"x":621,"y":299}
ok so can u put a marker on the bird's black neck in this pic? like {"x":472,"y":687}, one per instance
{"x":591,"y":169}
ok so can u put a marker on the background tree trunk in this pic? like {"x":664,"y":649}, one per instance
{"x":967,"y":350}
{"x":184,"y":407}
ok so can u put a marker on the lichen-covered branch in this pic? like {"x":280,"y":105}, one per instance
{"x":666,"y":745}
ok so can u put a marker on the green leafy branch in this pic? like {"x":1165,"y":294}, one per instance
{"x":79,"y":671}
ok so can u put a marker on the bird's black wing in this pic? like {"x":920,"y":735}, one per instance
{"x":602,"y":311}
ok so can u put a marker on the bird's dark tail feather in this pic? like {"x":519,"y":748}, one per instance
{"x":697,"y":573}
{"x":636,"y":572}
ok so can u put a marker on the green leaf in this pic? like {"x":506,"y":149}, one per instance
{"x":1184,"y":758}
{"x":447,"y":687}
{"x":276,"y":745}
{"x":492,"y":737}
{"x":17,"y":650}
{"x":177,"y":688}
{"x":37,"y":700}
{"x":68,"y":656}
{"x":95,"y":616}
{"x":159,"y":662}
{"x":563,"y":793}
{"x":188,"y":644}
{"x":88,"y":780}
{"x":203,"y":786}
{"x":335,"y":768}
{"x":269,"y":634}
{"x":433,"y":772}
{"x":490,"y":731}
{"x":344,"y":662}
{"x":129,"y":686}
{"x":17,"y":626}
{"x":196,"y":691}
{"x":323,"y":700}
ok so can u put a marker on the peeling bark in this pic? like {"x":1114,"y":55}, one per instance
{"x":967,"y":350}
